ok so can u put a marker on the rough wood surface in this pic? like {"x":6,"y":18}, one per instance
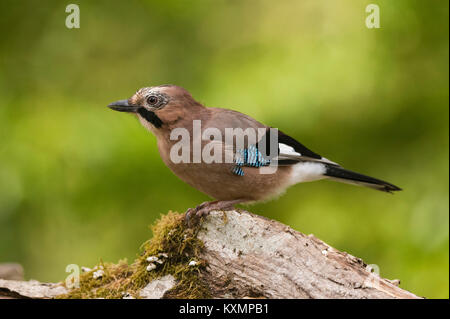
{"x":29,"y":289}
{"x":251,"y":256}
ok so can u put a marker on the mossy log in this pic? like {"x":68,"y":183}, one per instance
{"x":233,"y":254}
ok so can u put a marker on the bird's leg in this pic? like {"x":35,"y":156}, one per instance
{"x":216,"y":205}
{"x":204,"y":208}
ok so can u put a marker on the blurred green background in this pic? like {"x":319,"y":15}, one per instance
{"x":79,"y":182}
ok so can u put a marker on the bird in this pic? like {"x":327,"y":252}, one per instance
{"x":237,"y":178}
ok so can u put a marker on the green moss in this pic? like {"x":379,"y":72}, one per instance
{"x":174,"y":244}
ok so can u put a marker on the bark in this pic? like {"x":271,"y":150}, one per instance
{"x":251,"y":256}
{"x":29,"y":289}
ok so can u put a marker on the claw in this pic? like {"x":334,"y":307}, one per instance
{"x":194,"y":215}
{"x":204,"y":211}
{"x":190,"y":213}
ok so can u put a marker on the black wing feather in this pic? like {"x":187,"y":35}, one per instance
{"x":264,"y":144}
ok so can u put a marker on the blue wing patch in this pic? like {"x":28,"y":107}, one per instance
{"x":250,"y":157}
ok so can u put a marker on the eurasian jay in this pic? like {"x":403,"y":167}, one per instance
{"x":234,"y":174}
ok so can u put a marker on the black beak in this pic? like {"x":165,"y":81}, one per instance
{"x":123,"y":106}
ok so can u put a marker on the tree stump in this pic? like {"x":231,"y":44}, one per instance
{"x":249,"y":256}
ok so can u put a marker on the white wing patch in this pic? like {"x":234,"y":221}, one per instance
{"x":287,"y":150}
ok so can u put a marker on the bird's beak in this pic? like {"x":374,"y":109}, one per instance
{"x":123,"y":106}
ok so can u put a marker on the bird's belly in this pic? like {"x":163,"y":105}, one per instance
{"x":219,"y":182}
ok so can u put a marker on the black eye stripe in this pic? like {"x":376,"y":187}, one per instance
{"x":150,"y":117}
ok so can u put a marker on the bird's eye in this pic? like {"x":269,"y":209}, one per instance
{"x":152,"y":100}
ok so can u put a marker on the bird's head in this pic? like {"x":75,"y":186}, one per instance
{"x":159,"y":106}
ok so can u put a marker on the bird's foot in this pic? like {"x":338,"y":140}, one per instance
{"x":194,"y":215}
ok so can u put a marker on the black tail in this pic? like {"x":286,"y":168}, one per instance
{"x":346,"y":176}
